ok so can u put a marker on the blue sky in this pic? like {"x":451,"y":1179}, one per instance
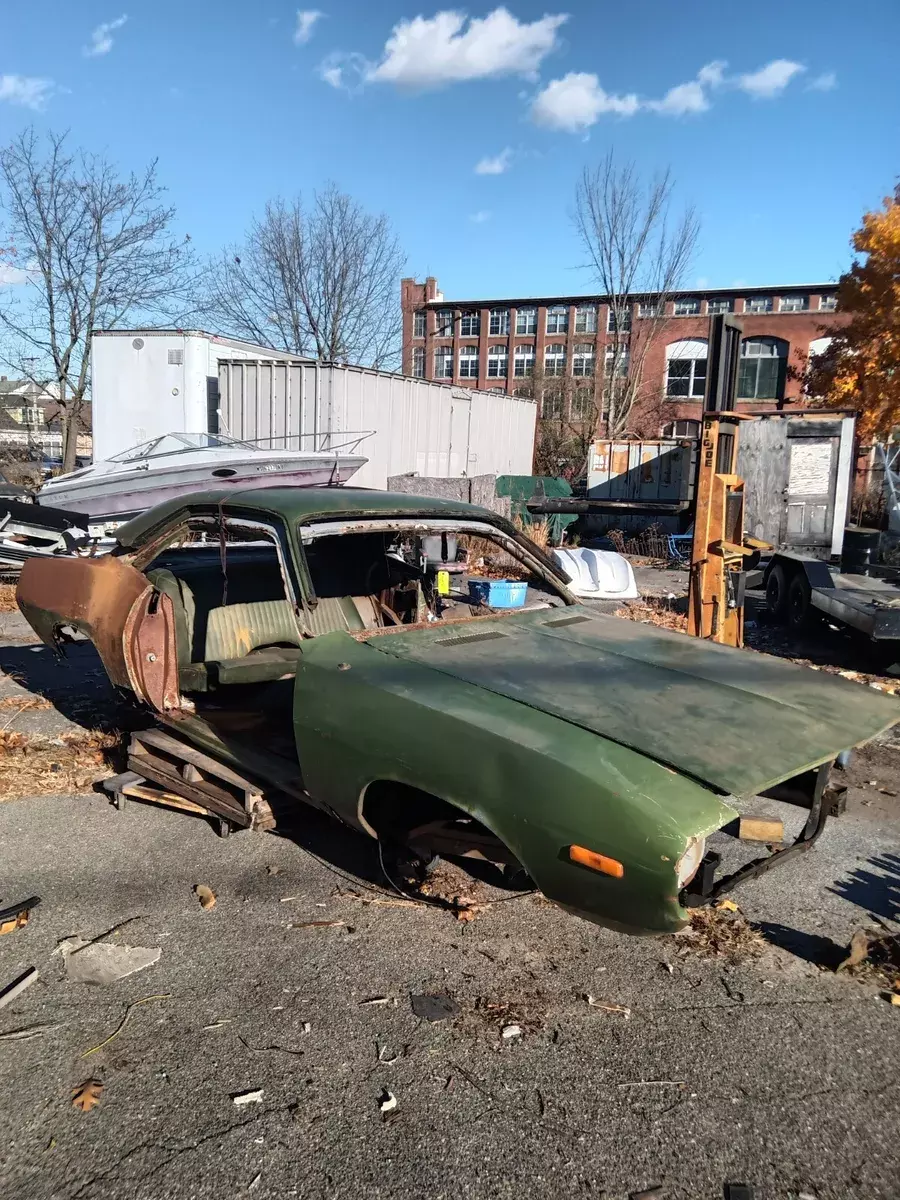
{"x":779,"y":120}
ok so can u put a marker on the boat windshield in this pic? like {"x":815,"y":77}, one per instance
{"x":178,"y":443}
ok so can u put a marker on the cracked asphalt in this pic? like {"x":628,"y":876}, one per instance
{"x":772,"y":1071}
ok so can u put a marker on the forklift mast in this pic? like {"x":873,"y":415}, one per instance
{"x":716,"y":596}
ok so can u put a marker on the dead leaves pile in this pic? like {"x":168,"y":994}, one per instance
{"x":87,"y":1095}
{"x":874,"y":955}
{"x":654,"y":611}
{"x":8,"y":598}
{"x":39,"y":766}
{"x":719,"y":933}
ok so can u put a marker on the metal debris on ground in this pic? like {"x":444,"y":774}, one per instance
{"x":387,"y":1102}
{"x":721,"y":933}
{"x":18,"y":986}
{"x":621,"y":1009}
{"x":317,"y":925}
{"x":205,"y":895}
{"x":374,"y":1001}
{"x":739,"y":1191}
{"x":651,"y":1193}
{"x":14,"y":916}
{"x":105,"y":962}
{"x":27,"y":1032}
{"x":254,"y":1096}
{"x":437,"y":1007}
{"x":87,"y":1095}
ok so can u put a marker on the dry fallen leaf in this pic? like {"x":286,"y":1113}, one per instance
{"x":87,"y":1095}
{"x":205,"y":895}
{"x":858,"y":951}
{"x":726,"y":906}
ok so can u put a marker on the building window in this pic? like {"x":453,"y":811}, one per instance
{"x":468,"y":362}
{"x":499,"y":391}
{"x":557,"y":319}
{"x":794,"y":303}
{"x":470,"y":324}
{"x":419,"y":324}
{"x":443,"y":363}
{"x":586,"y":318}
{"x":686,"y":369}
{"x":583,"y":404}
{"x":526,"y":321}
{"x":418,"y":362}
{"x":498,"y":361}
{"x":763,"y":368}
{"x":649,"y":308}
{"x":552,"y":404}
{"x":523,"y":361}
{"x":443,"y":322}
{"x":583,"y":359}
{"x":827,"y":303}
{"x":681,"y":429}
{"x":688,"y":307}
{"x":719,"y":306}
{"x":500,"y":321}
{"x":617,"y":361}
{"x":613,"y":322}
{"x":759,"y":304}
{"x":555,"y":359}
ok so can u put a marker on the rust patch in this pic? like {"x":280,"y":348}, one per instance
{"x":151,"y":655}
{"x":93,"y":595}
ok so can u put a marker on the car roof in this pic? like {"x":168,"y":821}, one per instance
{"x":302,"y":504}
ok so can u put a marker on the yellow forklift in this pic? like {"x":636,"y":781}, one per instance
{"x":721,"y":552}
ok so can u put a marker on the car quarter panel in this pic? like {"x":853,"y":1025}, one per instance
{"x":538,"y":782}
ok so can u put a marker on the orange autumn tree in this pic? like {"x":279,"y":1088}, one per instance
{"x":861,"y":367}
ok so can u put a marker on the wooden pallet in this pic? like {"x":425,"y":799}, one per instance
{"x":165,"y":770}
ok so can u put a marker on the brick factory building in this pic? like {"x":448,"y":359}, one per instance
{"x":494,"y":344}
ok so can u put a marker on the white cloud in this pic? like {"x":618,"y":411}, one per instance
{"x":576,"y":101}
{"x":823,"y":83}
{"x":11,"y":276}
{"x":479,"y":218}
{"x":450,"y":48}
{"x":770,"y":80}
{"x":332,"y":74}
{"x":685,"y":98}
{"x":495,"y":165}
{"x":101,"y":38}
{"x":26,"y":90}
{"x":713,"y":74}
{"x":306,"y":19}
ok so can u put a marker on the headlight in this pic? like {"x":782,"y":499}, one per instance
{"x":690,"y":861}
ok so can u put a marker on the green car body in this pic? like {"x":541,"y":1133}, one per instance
{"x":551,"y":728}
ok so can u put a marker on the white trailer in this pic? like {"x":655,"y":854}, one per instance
{"x":147,"y":382}
{"x":417,"y":426}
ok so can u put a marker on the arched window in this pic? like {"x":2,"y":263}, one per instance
{"x":686,"y":368}
{"x":468,"y":362}
{"x":763,"y":368}
{"x":819,"y":346}
{"x":498,"y":361}
{"x":583,"y":358}
{"x":555,"y":359}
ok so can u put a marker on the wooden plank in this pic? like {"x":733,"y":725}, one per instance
{"x":154,"y":795}
{"x":202,"y":794}
{"x":189,"y":754}
{"x":760,"y":829}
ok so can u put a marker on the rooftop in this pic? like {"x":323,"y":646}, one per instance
{"x":784,"y":289}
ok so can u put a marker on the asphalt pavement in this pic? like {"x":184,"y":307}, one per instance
{"x":771,"y":1070}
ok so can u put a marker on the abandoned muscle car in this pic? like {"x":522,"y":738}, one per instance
{"x":301,"y":635}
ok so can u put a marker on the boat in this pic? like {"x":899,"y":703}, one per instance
{"x":128,"y":483}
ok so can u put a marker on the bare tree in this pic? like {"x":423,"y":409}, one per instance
{"x":634,"y":248}
{"x":93,"y":249}
{"x":320,"y":280}
{"x":567,"y":417}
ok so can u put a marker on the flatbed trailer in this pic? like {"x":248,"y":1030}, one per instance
{"x":797,"y":585}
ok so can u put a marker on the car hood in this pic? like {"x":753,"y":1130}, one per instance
{"x":736,"y":720}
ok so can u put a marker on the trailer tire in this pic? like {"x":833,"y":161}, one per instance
{"x":777,"y":593}
{"x":798,"y":601}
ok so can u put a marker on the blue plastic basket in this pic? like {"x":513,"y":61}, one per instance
{"x":498,"y":593}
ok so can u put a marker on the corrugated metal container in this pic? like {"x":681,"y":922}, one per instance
{"x":657,"y":470}
{"x":416,"y":425}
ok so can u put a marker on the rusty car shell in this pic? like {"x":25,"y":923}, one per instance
{"x":553,"y":728}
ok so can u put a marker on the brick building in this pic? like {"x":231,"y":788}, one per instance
{"x":494,"y":344}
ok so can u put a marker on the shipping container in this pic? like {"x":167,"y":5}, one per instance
{"x":147,"y":382}
{"x":413,"y":425}
{"x":660,"y":470}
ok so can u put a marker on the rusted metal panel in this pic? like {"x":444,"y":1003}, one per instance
{"x":93,"y":595}
{"x":151,"y":655}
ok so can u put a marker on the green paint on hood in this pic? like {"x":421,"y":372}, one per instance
{"x":736,"y":720}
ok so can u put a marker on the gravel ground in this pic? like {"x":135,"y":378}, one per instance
{"x":771,"y":1070}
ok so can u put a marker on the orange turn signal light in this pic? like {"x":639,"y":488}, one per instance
{"x":596,"y":862}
